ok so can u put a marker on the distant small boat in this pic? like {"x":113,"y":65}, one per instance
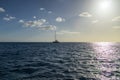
{"x":56,"y":41}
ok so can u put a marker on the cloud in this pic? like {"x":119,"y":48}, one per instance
{"x":40,"y":24}
{"x":35,"y":23}
{"x":48,"y":27}
{"x":85,"y":14}
{"x":42,"y":9}
{"x":8,"y":18}
{"x":95,"y":21}
{"x":34,"y":17}
{"x":116,"y":27}
{"x":116,"y":18}
{"x":21,"y":21}
{"x":49,"y":12}
{"x":2,"y":9}
{"x":60,"y":19}
{"x":67,"y":32}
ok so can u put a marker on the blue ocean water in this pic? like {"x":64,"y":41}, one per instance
{"x":60,"y":61}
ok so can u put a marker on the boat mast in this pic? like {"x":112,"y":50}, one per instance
{"x":55,"y":35}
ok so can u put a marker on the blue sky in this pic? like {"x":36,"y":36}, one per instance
{"x":74,"y":20}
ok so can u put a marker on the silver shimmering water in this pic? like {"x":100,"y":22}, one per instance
{"x":63,"y":61}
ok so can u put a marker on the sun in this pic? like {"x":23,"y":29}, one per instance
{"x":105,"y":4}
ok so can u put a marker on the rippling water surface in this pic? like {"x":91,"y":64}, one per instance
{"x":63,"y":61}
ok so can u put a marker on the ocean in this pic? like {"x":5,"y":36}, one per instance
{"x":60,"y":61}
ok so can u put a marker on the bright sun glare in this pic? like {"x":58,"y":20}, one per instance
{"x":104,"y":43}
{"x":105,"y":4}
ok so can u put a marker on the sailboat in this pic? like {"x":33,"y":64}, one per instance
{"x":56,"y":41}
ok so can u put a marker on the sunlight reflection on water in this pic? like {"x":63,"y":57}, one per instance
{"x":105,"y":51}
{"x":64,"y":61}
{"x":106,"y":57}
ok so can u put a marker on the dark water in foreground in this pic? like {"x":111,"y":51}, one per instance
{"x":64,"y":61}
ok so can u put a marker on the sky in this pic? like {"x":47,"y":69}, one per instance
{"x":73,"y":20}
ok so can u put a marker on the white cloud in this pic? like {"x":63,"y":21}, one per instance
{"x":116,"y":18}
{"x":35,"y":23}
{"x":40,"y":24}
{"x":2,"y":9}
{"x":116,"y":27}
{"x":60,"y":19}
{"x":34,"y":17}
{"x":21,"y":21}
{"x":95,"y":21}
{"x":67,"y":32}
{"x":42,"y":9}
{"x":8,"y":18}
{"x":85,"y":14}
{"x":49,"y":12}
{"x":12,"y":17}
{"x":48,"y":27}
